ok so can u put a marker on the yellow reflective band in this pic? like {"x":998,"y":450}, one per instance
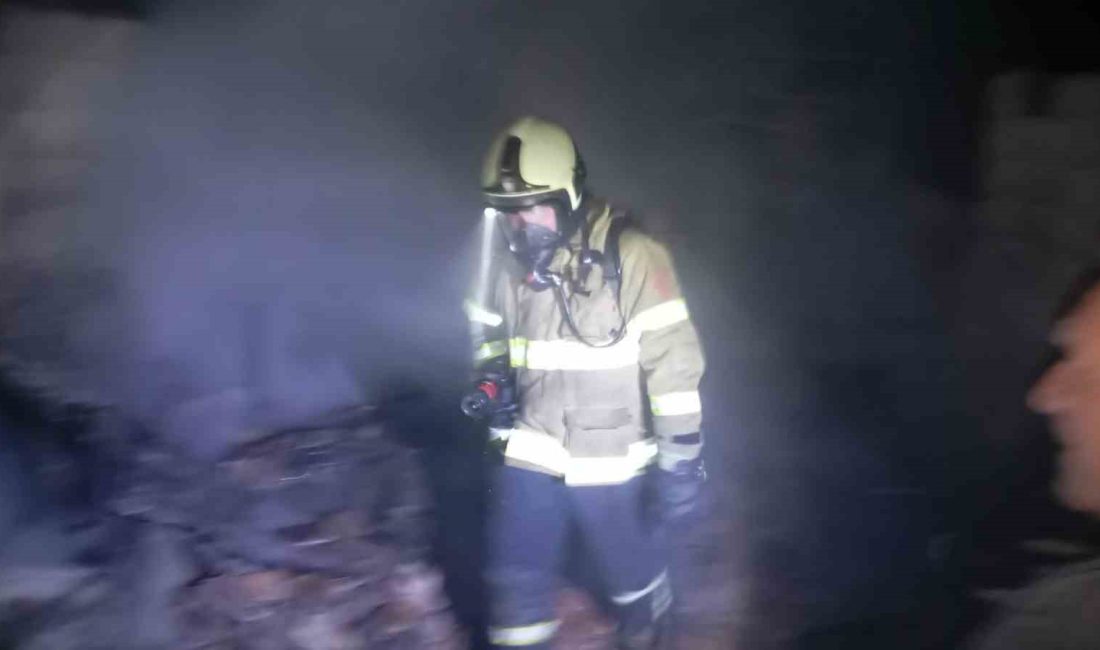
{"x":573,"y":355}
{"x":542,"y":450}
{"x":522,"y":635}
{"x":659,"y":316}
{"x":478,"y":314}
{"x":538,"y":449}
{"x":631,"y":596}
{"x":614,"y":470}
{"x":517,"y":349}
{"x":681,"y":403}
{"x":489,"y":350}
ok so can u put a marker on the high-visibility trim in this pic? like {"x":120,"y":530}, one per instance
{"x":544,"y":451}
{"x":661,"y":600}
{"x":489,"y":350}
{"x":679,"y":403}
{"x":572,"y":355}
{"x":478,"y":314}
{"x":538,"y":449}
{"x":614,"y":470}
{"x":517,"y":351}
{"x":632,"y":596}
{"x":659,"y":316}
{"x":499,"y":434}
{"x":522,"y":635}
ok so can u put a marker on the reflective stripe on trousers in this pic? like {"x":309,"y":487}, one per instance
{"x":523,"y":635}
{"x":530,"y":514}
{"x":650,"y":602}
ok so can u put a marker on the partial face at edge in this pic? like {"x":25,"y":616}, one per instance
{"x":1069,"y":394}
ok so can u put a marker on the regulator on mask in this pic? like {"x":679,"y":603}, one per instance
{"x":534,"y":245}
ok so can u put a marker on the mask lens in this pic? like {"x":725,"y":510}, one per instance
{"x":523,"y":234}
{"x":512,"y":225}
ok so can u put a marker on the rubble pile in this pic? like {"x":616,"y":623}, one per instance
{"x":307,"y":539}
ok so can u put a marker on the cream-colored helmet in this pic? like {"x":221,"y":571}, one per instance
{"x":530,"y":162}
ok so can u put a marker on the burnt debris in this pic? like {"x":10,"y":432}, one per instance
{"x":311,"y":538}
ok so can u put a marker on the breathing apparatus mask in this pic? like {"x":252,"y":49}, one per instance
{"x":534,"y":244}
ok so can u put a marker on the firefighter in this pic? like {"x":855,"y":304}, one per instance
{"x":590,"y":366}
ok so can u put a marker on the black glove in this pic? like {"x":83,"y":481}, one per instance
{"x":678,"y":489}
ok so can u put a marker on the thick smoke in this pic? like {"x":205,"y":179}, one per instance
{"x":283,"y":206}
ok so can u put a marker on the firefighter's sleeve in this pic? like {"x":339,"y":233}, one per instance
{"x":487,"y":332}
{"x":486,"y":312}
{"x":670,"y":353}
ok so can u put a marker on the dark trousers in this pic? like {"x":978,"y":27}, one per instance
{"x":531,"y":516}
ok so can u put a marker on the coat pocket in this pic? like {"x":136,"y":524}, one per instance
{"x":598,"y":432}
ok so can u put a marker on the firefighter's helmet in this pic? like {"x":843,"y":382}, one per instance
{"x":533,"y":161}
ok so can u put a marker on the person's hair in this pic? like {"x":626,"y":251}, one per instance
{"x":1081,"y":285}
